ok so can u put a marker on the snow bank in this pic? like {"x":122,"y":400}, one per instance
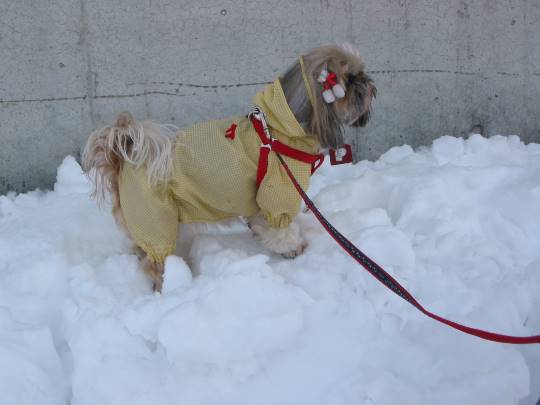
{"x":457,"y":223}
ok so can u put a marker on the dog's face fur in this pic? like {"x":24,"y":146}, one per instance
{"x":326,"y":121}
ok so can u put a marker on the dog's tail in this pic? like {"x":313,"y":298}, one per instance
{"x":141,"y":144}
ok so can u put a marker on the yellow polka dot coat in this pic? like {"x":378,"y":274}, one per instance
{"x":214,"y":174}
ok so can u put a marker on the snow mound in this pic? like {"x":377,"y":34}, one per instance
{"x":457,"y":223}
{"x":177,"y":274}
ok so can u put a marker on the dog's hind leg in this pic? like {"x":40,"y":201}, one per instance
{"x":155,"y":271}
{"x":151,"y":216}
{"x":152,"y":269}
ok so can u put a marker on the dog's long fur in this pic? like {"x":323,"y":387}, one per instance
{"x":146,"y":143}
{"x":129,"y":141}
{"x":151,"y":145}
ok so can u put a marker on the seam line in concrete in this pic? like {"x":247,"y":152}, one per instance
{"x":37,"y":100}
{"x":226,"y":86}
{"x":201,"y":86}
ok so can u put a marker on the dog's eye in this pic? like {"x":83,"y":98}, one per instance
{"x":350,"y":79}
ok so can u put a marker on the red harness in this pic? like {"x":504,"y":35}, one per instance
{"x":271,"y":144}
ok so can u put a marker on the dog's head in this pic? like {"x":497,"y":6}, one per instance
{"x":323,"y":119}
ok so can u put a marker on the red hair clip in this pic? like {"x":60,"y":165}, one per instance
{"x":331,"y":88}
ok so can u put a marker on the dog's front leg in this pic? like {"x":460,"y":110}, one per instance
{"x":288,"y":242}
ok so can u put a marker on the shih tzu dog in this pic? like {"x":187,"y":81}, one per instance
{"x":228,"y":168}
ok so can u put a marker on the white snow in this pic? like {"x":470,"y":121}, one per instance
{"x":457,"y":223}
{"x":177,"y":274}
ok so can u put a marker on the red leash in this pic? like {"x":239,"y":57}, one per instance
{"x":377,"y":271}
{"x":380,"y":274}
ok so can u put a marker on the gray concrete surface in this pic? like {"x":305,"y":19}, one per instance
{"x":441,"y":66}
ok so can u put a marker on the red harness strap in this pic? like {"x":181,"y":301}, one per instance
{"x":269,"y":144}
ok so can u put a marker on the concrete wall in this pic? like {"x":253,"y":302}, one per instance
{"x":441,"y":66}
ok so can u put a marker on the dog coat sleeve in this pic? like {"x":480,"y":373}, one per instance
{"x":277,"y":198}
{"x":150,"y":212}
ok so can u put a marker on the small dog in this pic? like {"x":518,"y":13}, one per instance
{"x":220,"y":169}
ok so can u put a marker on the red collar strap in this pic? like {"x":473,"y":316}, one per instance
{"x":269,"y":144}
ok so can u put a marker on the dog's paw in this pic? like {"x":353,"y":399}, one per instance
{"x":288,"y":242}
{"x":292,"y":254}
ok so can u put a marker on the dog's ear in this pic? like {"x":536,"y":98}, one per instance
{"x":318,"y":117}
{"x":326,"y":121}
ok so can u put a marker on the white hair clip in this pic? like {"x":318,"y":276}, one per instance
{"x":331,"y":88}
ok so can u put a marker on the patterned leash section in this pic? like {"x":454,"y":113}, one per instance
{"x":380,"y":274}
